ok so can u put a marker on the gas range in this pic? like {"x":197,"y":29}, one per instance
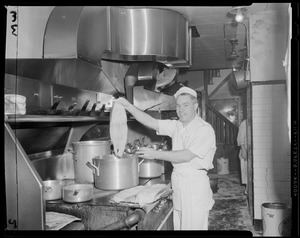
{"x":102,"y":197}
{"x":100,"y":212}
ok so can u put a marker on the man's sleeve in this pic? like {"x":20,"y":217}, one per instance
{"x":166,"y":127}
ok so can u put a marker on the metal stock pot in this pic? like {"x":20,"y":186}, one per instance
{"x":83,"y":152}
{"x":77,"y":193}
{"x":115,"y":173}
{"x":150,"y":168}
{"x":52,"y":189}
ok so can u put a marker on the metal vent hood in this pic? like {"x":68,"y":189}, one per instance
{"x":76,"y":32}
{"x":118,"y":34}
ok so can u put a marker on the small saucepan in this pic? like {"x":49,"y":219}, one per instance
{"x":52,"y":189}
{"x":77,"y":193}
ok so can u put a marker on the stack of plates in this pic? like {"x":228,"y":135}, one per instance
{"x":15,"y":104}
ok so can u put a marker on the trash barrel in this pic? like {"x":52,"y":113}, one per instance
{"x":276,"y":219}
{"x":223,"y":165}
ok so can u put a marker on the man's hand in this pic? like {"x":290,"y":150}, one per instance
{"x":146,"y":153}
{"x":123,"y":102}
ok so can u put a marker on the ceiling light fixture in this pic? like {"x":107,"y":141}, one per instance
{"x":239,"y":12}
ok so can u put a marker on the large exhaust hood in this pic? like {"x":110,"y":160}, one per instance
{"x":76,"y":32}
{"x":118,"y":34}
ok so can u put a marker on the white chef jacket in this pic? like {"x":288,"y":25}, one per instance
{"x":192,"y":193}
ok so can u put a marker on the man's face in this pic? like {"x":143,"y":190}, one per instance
{"x":185,"y":108}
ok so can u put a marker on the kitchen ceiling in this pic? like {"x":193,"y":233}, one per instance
{"x":211,"y":49}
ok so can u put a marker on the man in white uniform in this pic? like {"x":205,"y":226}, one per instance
{"x":193,"y":149}
{"x":242,"y":142}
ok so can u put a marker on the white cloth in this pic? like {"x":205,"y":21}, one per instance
{"x":56,"y":220}
{"x":242,"y":142}
{"x":142,"y":195}
{"x":192,"y":195}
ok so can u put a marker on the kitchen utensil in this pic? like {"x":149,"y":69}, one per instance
{"x":83,"y":109}
{"x":115,"y":173}
{"x":84,"y":151}
{"x":154,"y":106}
{"x":52,"y":189}
{"x":239,"y":79}
{"x":118,"y":128}
{"x":77,"y":193}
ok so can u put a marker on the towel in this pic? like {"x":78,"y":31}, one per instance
{"x":56,"y":221}
{"x":142,"y":195}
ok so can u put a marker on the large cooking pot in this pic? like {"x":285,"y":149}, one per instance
{"x":52,"y":189}
{"x":150,"y":168}
{"x":153,"y":168}
{"x":83,"y":152}
{"x":115,"y":173}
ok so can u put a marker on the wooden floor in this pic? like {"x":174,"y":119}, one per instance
{"x":231,"y":210}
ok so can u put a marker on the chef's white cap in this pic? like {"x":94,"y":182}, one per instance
{"x":185,"y":90}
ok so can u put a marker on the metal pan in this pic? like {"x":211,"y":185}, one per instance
{"x":77,"y":193}
{"x":52,"y":189}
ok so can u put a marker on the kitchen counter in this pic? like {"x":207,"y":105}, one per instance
{"x":99,"y":212}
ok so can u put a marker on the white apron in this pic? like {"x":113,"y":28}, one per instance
{"x":192,"y":197}
{"x":244,"y":167}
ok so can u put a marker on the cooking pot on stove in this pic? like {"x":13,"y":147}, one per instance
{"x":115,"y":173}
{"x":52,"y":189}
{"x":77,"y":193}
{"x":83,"y":152}
{"x":150,"y":168}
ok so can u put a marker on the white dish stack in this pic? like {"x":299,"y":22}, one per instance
{"x":15,"y":104}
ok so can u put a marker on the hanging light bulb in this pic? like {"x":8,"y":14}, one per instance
{"x":239,"y":16}
{"x":239,"y":13}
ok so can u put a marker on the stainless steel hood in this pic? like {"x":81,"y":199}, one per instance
{"x":149,"y":35}
{"x":118,"y":34}
{"x":76,"y":32}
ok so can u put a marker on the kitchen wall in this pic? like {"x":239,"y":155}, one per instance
{"x":216,"y":82}
{"x":26,"y":41}
{"x":195,"y":78}
{"x":271,"y":147}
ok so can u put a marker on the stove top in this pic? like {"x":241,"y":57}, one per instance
{"x":102,"y":197}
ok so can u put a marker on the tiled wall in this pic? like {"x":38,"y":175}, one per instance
{"x":271,"y":148}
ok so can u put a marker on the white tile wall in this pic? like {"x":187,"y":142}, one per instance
{"x":271,"y":160}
